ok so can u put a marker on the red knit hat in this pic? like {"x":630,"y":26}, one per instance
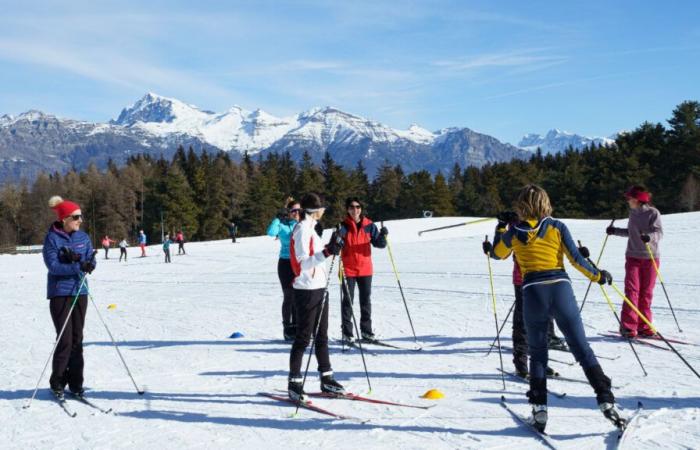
{"x":63,"y":208}
{"x":638,"y":193}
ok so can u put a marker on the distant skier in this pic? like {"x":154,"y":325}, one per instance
{"x":232,"y":231}
{"x":281,"y":228}
{"x":106,"y":243}
{"x":308,"y":258}
{"x":180,"y":239}
{"x":142,"y":243}
{"x":122,"y":249}
{"x":69,"y":256}
{"x":359,"y":235}
{"x":643,"y":228}
{"x":539,"y":242}
{"x":166,"y":247}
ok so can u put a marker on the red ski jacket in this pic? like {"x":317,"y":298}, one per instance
{"x":357,"y":250}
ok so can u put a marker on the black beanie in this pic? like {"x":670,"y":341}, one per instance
{"x":311,"y":201}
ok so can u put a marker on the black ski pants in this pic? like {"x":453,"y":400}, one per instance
{"x":520,"y":351}
{"x":364,"y":285}
{"x":308,"y":305}
{"x":67,"y":367}
{"x":286,"y":276}
{"x":122,"y":253}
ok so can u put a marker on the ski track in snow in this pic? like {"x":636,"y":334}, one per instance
{"x":173,"y":321}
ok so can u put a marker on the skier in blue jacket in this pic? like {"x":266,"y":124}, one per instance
{"x":281,"y":227}
{"x":69,"y":257}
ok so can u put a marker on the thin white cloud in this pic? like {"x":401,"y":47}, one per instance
{"x":507,"y":59}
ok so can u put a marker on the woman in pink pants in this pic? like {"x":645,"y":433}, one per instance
{"x":644,"y":228}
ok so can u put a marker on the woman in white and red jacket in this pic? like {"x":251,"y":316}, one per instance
{"x":308,"y":259}
{"x":359,"y":234}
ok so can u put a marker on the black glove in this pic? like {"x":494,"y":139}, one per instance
{"x":334,"y":246}
{"x":610,"y":230}
{"x":318,"y":228}
{"x":282,"y":213}
{"x":584,"y":252}
{"x":384,"y":231}
{"x":605,"y":277}
{"x":506,"y":217}
{"x":645,"y":238}
{"x":87,"y":266}
{"x":66,"y":255}
{"x":486,"y":245}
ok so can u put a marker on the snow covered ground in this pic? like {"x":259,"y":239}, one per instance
{"x":173,"y":323}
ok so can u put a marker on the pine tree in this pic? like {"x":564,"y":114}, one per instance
{"x":441,"y":197}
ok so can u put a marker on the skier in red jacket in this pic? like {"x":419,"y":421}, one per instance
{"x":359,"y":235}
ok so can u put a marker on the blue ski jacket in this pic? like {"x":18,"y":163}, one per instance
{"x":282,"y":229}
{"x":64,"y":276}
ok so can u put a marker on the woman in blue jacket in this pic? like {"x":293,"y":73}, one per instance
{"x":69,"y":257}
{"x":281,"y":227}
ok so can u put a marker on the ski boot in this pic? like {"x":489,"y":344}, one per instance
{"x":521,"y":370}
{"x":557,"y":343}
{"x":58,"y":393}
{"x":613,"y":415}
{"x":330,"y":386}
{"x":289,"y":333}
{"x":551,"y":373}
{"x":368,"y":336}
{"x":539,"y":417}
{"x":348,"y":339}
{"x":80,"y":392}
{"x":646,"y":332}
{"x":295,"y":390}
{"x":627,"y":333}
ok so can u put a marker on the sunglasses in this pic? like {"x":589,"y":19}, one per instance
{"x":76,"y":216}
{"x":355,"y":207}
{"x":294,"y":211}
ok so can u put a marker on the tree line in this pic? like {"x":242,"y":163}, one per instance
{"x":201,"y":193}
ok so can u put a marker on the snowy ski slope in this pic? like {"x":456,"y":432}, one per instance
{"x":173,"y":323}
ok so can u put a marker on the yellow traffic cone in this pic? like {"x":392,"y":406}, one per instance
{"x":433,"y":394}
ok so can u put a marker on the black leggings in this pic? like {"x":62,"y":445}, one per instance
{"x":67,"y":367}
{"x":308,"y":304}
{"x":286,"y":276}
{"x":365,"y":286}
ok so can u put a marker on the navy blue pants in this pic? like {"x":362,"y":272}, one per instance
{"x":542,"y":301}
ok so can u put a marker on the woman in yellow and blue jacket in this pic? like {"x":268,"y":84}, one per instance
{"x":540,"y":243}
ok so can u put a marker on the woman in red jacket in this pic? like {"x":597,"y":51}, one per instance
{"x":359,"y":234}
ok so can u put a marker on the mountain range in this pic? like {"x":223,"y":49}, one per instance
{"x":557,"y":141}
{"x":34,"y":141}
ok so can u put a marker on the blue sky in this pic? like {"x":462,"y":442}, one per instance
{"x":505,"y":68}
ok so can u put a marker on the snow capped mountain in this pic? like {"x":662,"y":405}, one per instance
{"x":556,"y":141}
{"x":158,"y":125}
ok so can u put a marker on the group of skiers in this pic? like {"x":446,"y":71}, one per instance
{"x":142,"y":240}
{"x":302,"y":273}
{"x":536,"y":241}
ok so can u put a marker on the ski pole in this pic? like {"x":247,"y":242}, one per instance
{"x":653,"y":329}
{"x":346,"y":291}
{"x":58,"y":338}
{"x":403,"y":297}
{"x":493,"y":344}
{"x":318,"y":327}
{"x":456,"y":225}
{"x":658,"y":274}
{"x":619,"y":322}
{"x":600,"y":256}
{"x":116,"y":347}
{"x":495,"y":317}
